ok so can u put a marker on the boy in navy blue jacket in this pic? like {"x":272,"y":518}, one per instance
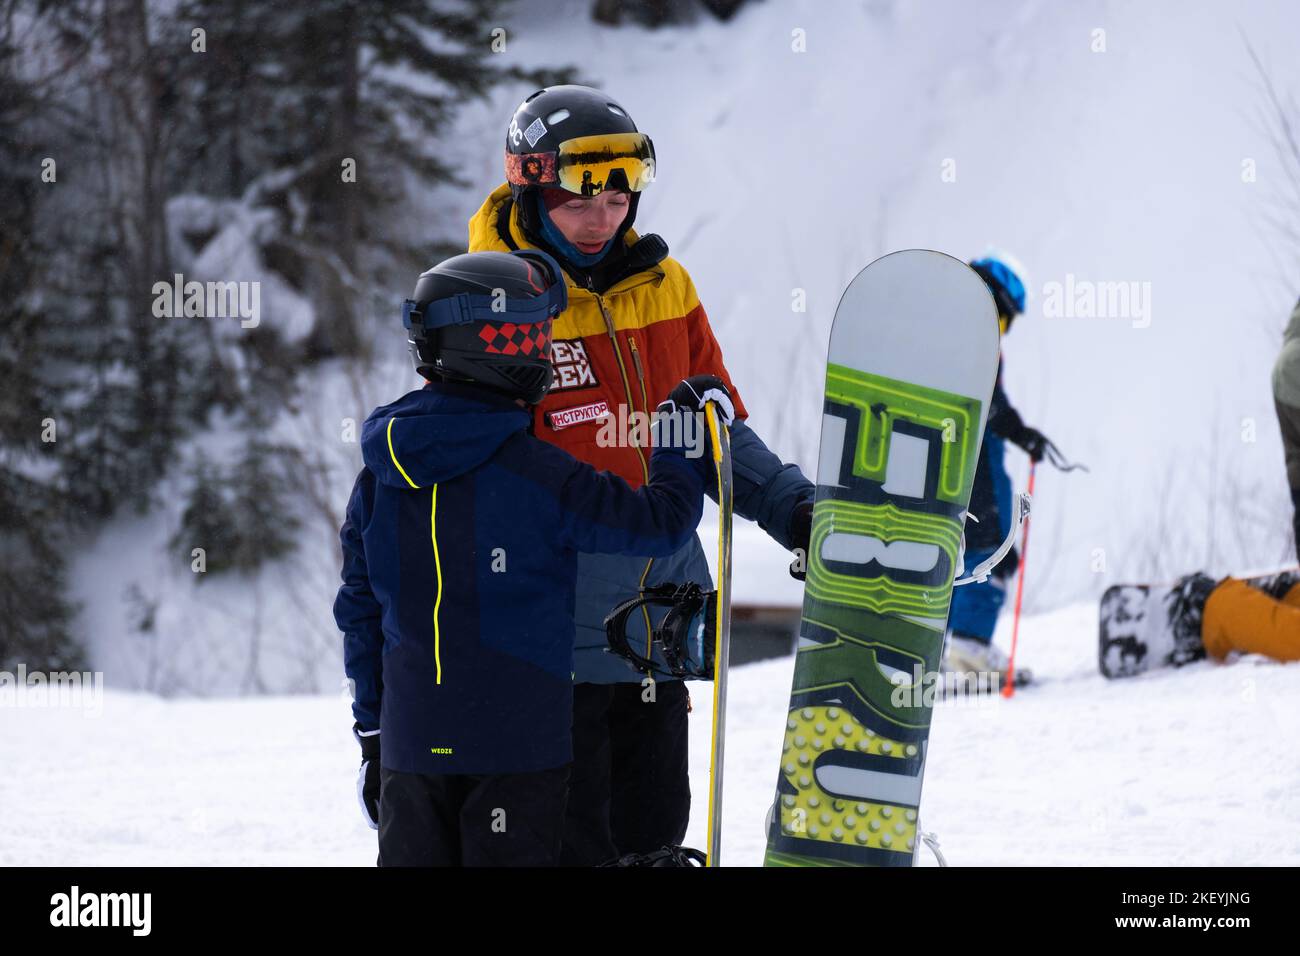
{"x":459,"y":555}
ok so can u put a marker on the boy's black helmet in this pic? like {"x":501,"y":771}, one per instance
{"x":485,"y":317}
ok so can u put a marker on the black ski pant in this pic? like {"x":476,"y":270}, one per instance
{"x":629,"y":791}
{"x":466,"y":820}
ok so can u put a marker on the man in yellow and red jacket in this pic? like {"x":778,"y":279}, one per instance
{"x":575,"y":166}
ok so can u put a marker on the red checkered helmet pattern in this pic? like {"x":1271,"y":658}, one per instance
{"x":510,"y":338}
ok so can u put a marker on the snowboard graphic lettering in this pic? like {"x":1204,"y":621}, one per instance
{"x":896,"y":465}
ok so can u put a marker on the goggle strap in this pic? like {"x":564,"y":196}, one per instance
{"x":464,"y":308}
{"x":412,"y":314}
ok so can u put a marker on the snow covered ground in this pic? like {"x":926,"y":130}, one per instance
{"x":1196,"y":766}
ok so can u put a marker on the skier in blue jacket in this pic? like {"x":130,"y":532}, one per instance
{"x":975,"y":607}
{"x":459,"y":570}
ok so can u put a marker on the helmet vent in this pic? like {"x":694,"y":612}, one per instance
{"x":558,"y":116}
{"x":615,"y":110}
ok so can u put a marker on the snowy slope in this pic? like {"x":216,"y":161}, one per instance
{"x":1187,"y":767}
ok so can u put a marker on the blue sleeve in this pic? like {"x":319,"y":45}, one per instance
{"x":766,"y":489}
{"x":1003,"y":420}
{"x":358,"y":613}
{"x":600,"y":512}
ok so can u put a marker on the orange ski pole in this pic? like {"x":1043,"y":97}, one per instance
{"x":1010,"y":689}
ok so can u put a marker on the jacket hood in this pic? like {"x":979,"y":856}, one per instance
{"x":436,"y":433}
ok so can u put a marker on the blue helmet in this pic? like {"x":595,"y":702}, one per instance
{"x":1005,"y":284}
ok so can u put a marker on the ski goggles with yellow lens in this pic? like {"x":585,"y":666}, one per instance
{"x":588,"y":165}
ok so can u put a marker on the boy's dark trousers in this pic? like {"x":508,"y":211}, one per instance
{"x":513,"y":819}
{"x":630,"y":789}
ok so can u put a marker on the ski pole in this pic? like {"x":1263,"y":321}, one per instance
{"x":721,"y":441}
{"x":1010,"y":689}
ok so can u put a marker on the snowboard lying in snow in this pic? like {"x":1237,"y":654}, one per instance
{"x":1147,"y":626}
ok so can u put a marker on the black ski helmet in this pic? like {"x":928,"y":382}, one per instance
{"x":485,"y":317}
{"x":538,"y":153}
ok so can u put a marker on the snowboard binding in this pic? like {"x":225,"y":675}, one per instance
{"x":684,"y":643}
{"x":982,"y":570}
{"x":1185,"y":606}
{"x":1276,"y":585}
{"x":664,"y":856}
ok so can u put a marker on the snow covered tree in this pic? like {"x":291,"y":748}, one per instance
{"x":330,"y":114}
{"x":208,"y":522}
{"x":656,"y":13}
{"x":35,"y":614}
{"x":242,"y":515}
{"x":126,"y":376}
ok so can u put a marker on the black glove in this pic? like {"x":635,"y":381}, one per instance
{"x":1006,"y":568}
{"x":368,"y":777}
{"x":800,"y":536}
{"x":1032,"y":441}
{"x":694,"y":393}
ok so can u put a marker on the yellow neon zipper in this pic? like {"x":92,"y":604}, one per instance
{"x":437,"y":563}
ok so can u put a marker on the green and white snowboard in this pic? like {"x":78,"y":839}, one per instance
{"x":912,"y":360}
